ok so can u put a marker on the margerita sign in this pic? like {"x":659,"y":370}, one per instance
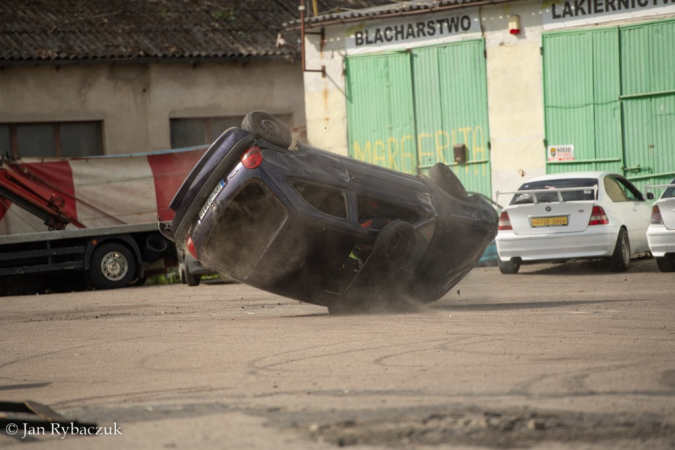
{"x":412,"y":32}
{"x":570,"y":13}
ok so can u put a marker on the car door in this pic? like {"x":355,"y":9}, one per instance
{"x":635,"y":212}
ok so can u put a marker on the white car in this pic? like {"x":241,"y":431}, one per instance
{"x":568,"y":216}
{"x":661,"y":231}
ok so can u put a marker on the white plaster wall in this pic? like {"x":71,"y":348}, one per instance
{"x":325,"y":97}
{"x":515,"y":94}
{"x":136,"y":102}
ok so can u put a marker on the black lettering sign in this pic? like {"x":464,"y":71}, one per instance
{"x":387,"y":34}
{"x":555,"y":13}
{"x":368,"y":40}
{"x":579,"y":7}
{"x":420,"y":29}
{"x":610,"y":4}
{"x":399,"y":32}
{"x":597,"y":6}
{"x":431,"y":29}
{"x":410,"y":32}
{"x":359,"y":38}
{"x":567,"y":12}
{"x":440,"y":23}
{"x":378,"y":36}
{"x":466,"y":23}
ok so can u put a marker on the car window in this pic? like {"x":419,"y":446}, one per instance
{"x":614,"y":190}
{"x":630,"y":191}
{"x":376,"y":213}
{"x":670,"y":192}
{"x":328,"y":200}
{"x":568,"y":196}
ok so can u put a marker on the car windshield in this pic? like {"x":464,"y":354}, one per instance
{"x":568,"y":196}
{"x":670,"y":192}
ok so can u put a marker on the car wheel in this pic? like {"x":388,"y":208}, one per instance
{"x":190,"y":278}
{"x":266,"y":126}
{"x":112,"y":266}
{"x":394,"y":245}
{"x":618,"y":262}
{"x":510,"y":267}
{"x":446,"y":179}
{"x":666,"y":263}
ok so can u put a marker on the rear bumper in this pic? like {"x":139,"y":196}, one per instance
{"x":661,"y":240}
{"x":592,"y":243}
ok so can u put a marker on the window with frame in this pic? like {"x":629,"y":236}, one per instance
{"x":204,"y":130}
{"x":631,"y":193}
{"x":375,"y":213}
{"x":51,"y":139}
{"x":328,"y":200}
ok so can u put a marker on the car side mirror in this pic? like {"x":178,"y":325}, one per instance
{"x":650,"y":196}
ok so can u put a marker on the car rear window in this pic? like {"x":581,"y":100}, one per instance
{"x":563,"y":183}
{"x":245,"y":228}
{"x":328,"y":200}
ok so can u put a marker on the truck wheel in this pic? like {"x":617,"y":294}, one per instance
{"x":112,"y":266}
{"x":666,"y":264}
{"x":266,"y":126}
{"x":394,"y":245}
{"x":510,"y":267}
{"x":618,"y":262}
{"x":446,"y":179}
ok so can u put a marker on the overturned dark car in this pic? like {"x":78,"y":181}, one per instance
{"x":326,"y":229}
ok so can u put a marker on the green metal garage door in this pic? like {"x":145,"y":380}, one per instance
{"x":407,"y":110}
{"x":611,"y":94}
{"x":381,"y":123}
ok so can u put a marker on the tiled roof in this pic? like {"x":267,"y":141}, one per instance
{"x":399,"y":8}
{"x":113,"y":30}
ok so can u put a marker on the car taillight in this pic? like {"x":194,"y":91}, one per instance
{"x":252,"y":158}
{"x":598,"y":217}
{"x":504,"y":221}
{"x":656,"y":216}
{"x":191,"y":247}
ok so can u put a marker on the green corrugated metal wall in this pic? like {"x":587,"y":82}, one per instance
{"x":648,"y":100}
{"x":414,"y":106}
{"x":381,"y":123}
{"x":611,"y":93}
{"x":451,"y":108}
{"x":581,"y":98}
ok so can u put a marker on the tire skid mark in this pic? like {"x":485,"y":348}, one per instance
{"x":579,"y":375}
{"x":258,"y":368}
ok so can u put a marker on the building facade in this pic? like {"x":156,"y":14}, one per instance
{"x":500,"y":92}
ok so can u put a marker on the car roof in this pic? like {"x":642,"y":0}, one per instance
{"x":571,"y":175}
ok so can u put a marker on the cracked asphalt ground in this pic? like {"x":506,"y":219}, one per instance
{"x":557,"y":357}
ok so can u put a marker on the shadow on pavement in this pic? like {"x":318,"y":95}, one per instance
{"x":643,"y":265}
{"x":519,"y":305}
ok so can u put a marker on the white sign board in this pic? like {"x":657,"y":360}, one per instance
{"x":571,"y":13}
{"x":407,"y":32}
{"x":560,"y":153}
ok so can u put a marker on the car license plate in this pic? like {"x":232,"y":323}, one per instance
{"x":218,"y":188}
{"x":549,"y":221}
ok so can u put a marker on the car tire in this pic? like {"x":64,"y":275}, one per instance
{"x":190,"y":278}
{"x":618,"y":262}
{"x":510,"y":267}
{"x":266,"y":126}
{"x":394,"y":245}
{"x":112,"y":266}
{"x":666,"y":263}
{"x":443,"y":177}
